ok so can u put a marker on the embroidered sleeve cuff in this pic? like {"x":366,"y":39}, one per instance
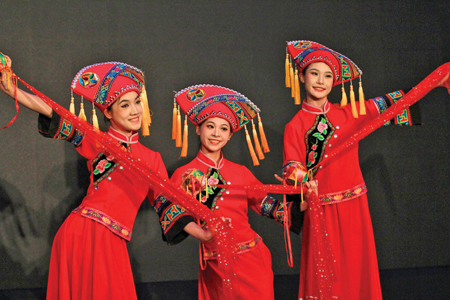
{"x":274,"y":209}
{"x":173,"y":219}
{"x":59,"y":128}
{"x":410,"y":116}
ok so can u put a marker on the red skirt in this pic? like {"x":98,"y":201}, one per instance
{"x":349,"y":227}
{"x":88,"y":261}
{"x":253,"y":279}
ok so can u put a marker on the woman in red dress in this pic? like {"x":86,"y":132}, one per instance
{"x":89,"y":258}
{"x":316,"y":129}
{"x":217,"y":113}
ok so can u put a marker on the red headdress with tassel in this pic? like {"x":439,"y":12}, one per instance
{"x":200,"y":102}
{"x":104,"y":83}
{"x":303,"y":53}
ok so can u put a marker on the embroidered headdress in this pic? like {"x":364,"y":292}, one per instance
{"x":200,"y":102}
{"x":104,"y":83}
{"x":303,"y":53}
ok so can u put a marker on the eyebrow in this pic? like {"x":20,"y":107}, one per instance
{"x":213,"y":123}
{"x":314,"y":69}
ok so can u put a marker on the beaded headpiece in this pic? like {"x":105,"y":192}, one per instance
{"x":200,"y":102}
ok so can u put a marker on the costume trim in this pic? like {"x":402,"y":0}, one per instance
{"x":239,"y":248}
{"x":102,"y":218}
{"x":345,"y":195}
{"x":170,"y":215}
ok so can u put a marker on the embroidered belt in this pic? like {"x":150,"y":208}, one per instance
{"x":99,"y":216}
{"x":239,"y":248}
{"x":345,"y":195}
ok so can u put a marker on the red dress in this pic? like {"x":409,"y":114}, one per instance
{"x":253,"y":263}
{"x":342,"y":192}
{"x":89,"y":258}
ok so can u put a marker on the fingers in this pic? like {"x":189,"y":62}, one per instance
{"x":278,"y":177}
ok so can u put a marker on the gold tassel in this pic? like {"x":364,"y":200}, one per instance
{"x":257,"y":144}
{"x":264,"y":143}
{"x":291,"y":76}
{"x":362,"y":104}
{"x":174,"y":120}
{"x":178,"y":141}
{"x":9,"y":75}
{"x":82,"y":115}
{"x":297,"y":88}
{"x":184,"y":149}
{"x":353,"y":102}
{"x":94,"y":119}
{"x":72,"y":104}
{"x":344,"y":97}
{"x":250,"y":148}
{"x":146,"y":119}
{"x":286,"y":68}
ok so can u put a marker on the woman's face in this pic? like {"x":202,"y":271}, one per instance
{"x":318,"y":80}
{"x":125,"y":114}
{"x":214,"y":134}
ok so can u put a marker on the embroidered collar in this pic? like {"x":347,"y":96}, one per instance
{"x":133,"y":139}
{"x":316,"y":110}
{"x":206,"y":160}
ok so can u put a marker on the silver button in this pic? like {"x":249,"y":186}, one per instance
{"x":109,"y":178}
{"x":227,"y":192}
{"x":229,"y":182}
{"x":221,"y":198}
{"x":335,"y":136}
{"x":337,"y":127}
{"x":121,"y":168}
{"x":217,"y":207}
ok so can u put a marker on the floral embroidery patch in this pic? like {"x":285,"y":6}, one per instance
{"x":103,"y":165}
{"x":316,"y":140}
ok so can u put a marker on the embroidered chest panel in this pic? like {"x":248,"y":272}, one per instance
{"x":316,"y":139}
{"x":103,"y":165}
{"x":211,"y":194}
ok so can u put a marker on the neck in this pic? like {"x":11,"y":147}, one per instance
{"x":214,"y":155}
{"x":316,"y":102}
{"x":126,"y":133}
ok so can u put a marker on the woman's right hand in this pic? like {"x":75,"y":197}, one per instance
{"x":204,"y":235}
{"x":7,"y":83}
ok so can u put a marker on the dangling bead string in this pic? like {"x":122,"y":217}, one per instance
{"x":286,"y":68}
{"x":174,"y":120}
{"x":257,"y":144}
{"x":72,"y":103}
{"x":178,"y":141}
{"x":264,"y":143}
{"x":362,"y":104}
{"x":146,"y":116}
{"x":287,"y":234}
{"x":250,"y":148}
{"x":353,"y":101}
{"x":82,"y":115}
{"x":344,"y":96}
{"x":184,"y":149}
{"x":297,"y":88}
{"x":94,"y":117}
{"x":291,"y":76}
